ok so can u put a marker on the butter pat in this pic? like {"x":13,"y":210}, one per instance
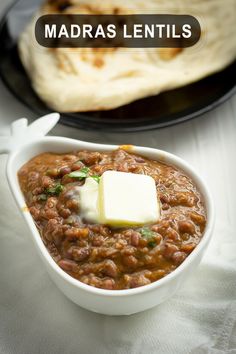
{"x":88,"y":200}
{"x":120,"y":199}
{"x":127,"y":199}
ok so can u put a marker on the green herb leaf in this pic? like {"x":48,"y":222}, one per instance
{"x":96,"y":178}
{"x":152,"y":244}
{"x":147,"y":233}
{"x":55,"y":190}
{"x":42,"y":196}
{"x":80,"y":174}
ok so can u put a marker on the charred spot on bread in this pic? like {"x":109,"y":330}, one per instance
{"x":169,"y":53}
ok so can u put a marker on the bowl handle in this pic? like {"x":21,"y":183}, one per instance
{"x":21,"y":133}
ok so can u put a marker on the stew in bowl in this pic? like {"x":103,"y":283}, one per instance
{"x":101,"y":255}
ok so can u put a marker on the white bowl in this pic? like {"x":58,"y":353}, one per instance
{"x":21,"y":148}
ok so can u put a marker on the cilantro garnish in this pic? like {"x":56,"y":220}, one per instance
{"x":149,"y":236}
{"x":83,"y":173}
{"x":80,"y":174}
{"x":55,"y":190}
{"x":147,"y":233}
{"x":42,"y":197}
{"x":152,"y":244}
{"x":96,"y":178}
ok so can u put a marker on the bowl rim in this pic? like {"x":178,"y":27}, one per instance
{"x":163,"y":156}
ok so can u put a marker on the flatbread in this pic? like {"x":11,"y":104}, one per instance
{"x":76,"y":80}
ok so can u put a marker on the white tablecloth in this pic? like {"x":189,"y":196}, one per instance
{"x":35,"y":317}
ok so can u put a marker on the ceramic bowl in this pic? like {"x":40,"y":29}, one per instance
{"x":29,"y":141}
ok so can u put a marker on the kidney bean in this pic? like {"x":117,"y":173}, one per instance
{"x":161,"y":228}
{"x":46,"y":182}
{"x":137,"y":279}
{"x":172,"y":234}
{"x":94,"y":254}
{"x":121,"y":156}
{"x":130,"y":261}
{"x":95,"y":281}
{"x":54,"y":230}
{"x":89,"y":158}
{"x":72,"y":204}
{"x":188,"y":247}
{"x":98,"y":241}
{"x":109,"y":268}
{"x":33,"y":176}
{"x":37,"y":190}
{"x":50,"y":211}
{"x":143,"y":242}
{"x":139,"y":159}
{"x":144,"y":250}
{"x":157,"y":274}
{"x":50,"y":214}
{"x":51,"y":202}
{"x":104,"y":230}
{"x":108,"y":284}
{"x":122,"y":167}
{"x":80,"y":254}
{"x":82,"y":243}
{"x":170,"y":249}
{"x":134,"y":168}
{"x":84,"y":278}
{"x":182,"y":198}
{"x":165,"y":206}
{"x":65,"y":170}
{"x":69,"y":158}
{"x":106,"y":252}
{"x":54,"y":252}
{"x":150,"y":260}
{"x":65,"y":227}
{"x":75,"y":232}
{"x":120,"y":244}
{"x":129,"y":250}
{"x":186,"y":227}
{"x":185,"y":237}
{"x":66,"y":180}
{"x":158,"y":238}
{"x":164,"y":200}
{"x":68,"y":265}
{"x":64,"y":212}
{"x":35,"y":212}
{"x":134,"y":237}
{"x":179,"y":257}
{"x":197,"y":218}
{"x":77,"y":166}
{"x":32,"y":180}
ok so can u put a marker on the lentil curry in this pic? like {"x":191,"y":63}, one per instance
{"x":99,"y":255}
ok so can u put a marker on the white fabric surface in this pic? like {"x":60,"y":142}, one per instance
{"x":35,"y":317}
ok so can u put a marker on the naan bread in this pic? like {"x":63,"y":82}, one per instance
{"x":76,"y":80}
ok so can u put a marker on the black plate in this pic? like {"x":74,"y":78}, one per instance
{"x":168,"y":108}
